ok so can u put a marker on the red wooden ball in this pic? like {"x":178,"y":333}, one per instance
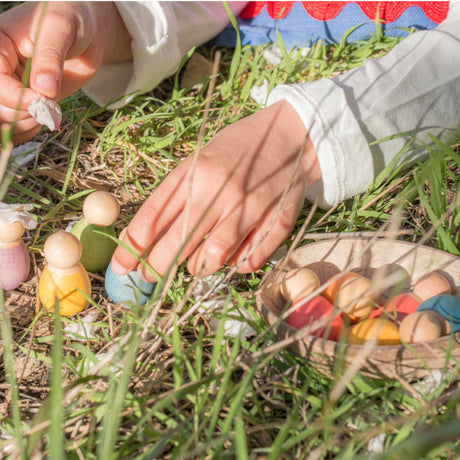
{"x":398,"y":307}
{"x":315,"y":309}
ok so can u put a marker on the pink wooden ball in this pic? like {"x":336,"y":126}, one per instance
{"x":423,"y":326}
{"x":430,"y":285}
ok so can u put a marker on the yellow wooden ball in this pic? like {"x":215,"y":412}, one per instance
{"x":385,"y":331}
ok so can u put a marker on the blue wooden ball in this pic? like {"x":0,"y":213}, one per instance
{"x":128,"y":287}
{"x":447,"y":306}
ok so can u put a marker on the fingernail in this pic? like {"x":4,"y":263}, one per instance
{"x":145,"y":275}
{"x":118,"y":269}
{"x":47,"y":84}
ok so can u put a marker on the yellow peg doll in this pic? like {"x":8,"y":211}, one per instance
{"x":64,"y":279}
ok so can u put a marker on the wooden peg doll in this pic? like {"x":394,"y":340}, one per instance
{"x":64,"y":279}
{"x":100,"y":212}
{"x":14,"y":257}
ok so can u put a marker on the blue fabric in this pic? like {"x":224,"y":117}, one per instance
{"x":300,"y":29}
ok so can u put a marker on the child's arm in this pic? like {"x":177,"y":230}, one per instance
{"x":140,"y":44}
{"x":68,"y":41}
{"x":415,"y":89}
{"x":162,"y":33}
{"x":236,"y":198}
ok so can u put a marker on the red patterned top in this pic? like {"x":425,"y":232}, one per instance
{"x":325,"y":11}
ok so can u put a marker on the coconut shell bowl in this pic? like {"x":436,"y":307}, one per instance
{"x":393,"y":267}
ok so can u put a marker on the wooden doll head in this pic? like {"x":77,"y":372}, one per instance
{"x":11,"y":232}
{"x":62,"y":250}
{"x":101,"y":208}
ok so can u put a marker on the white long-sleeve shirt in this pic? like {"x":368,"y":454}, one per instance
{"x":414,"y":89}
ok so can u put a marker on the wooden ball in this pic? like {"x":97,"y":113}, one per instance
{"x":298,"y":283}
{"x":398,"y":307}
{"x":356,"y":298}
{"x":62,"y":250}
{"x":447,"y":306}
{"x":101,"y":208}
{"x":317,"y":308}
{"x":330,"y":293}
{"x":9,"y":233}
{"x":384,"y":331}
{"x":430,"y":285}
{"x":127,"y":288}
{"x":423,"y":326}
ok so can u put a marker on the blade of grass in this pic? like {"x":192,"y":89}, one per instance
{"x":56,"y":412}
{"x":13,"y":391}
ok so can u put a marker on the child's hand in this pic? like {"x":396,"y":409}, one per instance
{"x":253,"y":161}
{"x":68,"y":42}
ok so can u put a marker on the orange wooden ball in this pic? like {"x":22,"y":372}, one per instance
{"x":9,"y":233}
{"x":101,"y":208}
{"x":297,"y":283}
{"x":423,"y":326}
{"x":386,"y":332}
{"x":356,"y":298}
{"x":431,"y":285}
{"x":330,"y":293}
{"x":62,"y":250}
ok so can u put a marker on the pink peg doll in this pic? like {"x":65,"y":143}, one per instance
{"x":14,"y":257}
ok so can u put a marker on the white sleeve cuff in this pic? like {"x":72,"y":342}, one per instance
{"x":342,"y":149}
{"x":409,"y":94}
{"x":162,"y":33}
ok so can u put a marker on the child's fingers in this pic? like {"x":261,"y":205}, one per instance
{"x":13,"y":94}
{"x":55,"y":38}
{"x":23,"y":126}
{"x":10,"y":115}
{"x":169,"y":247}
{"x":221,"y":243}
{"x":154,"y":216}
{"x":26,"y":134}
{"x":8,"y":54}
{"x":269,"y":234}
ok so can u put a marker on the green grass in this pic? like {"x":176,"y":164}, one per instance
{"x":182,"y":390}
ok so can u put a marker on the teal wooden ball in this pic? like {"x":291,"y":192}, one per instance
{"x":447,"y":306}
{"x":127,"y":288}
